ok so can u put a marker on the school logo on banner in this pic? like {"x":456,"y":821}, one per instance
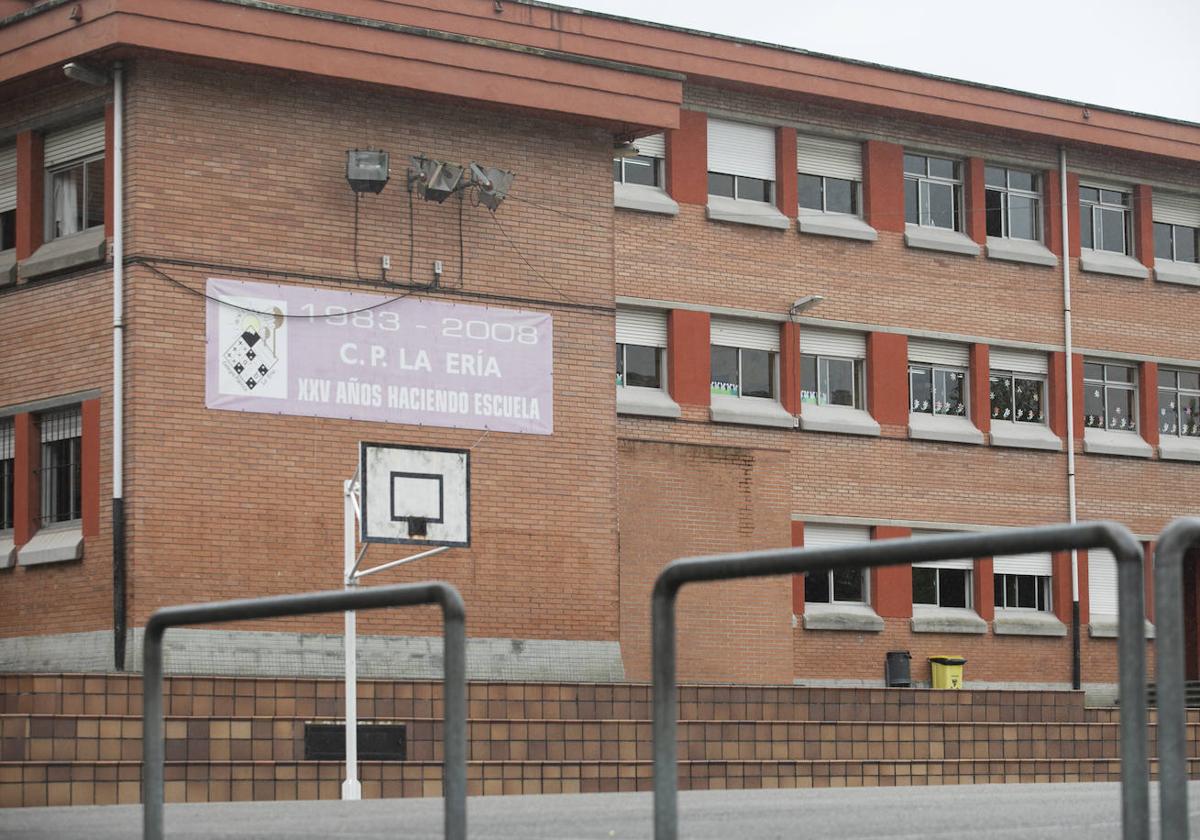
{"x":253,"y":335}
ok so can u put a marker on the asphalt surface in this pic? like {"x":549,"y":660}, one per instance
{"x":1030,"y":812}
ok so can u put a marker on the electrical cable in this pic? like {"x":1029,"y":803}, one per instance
{"x":518,"y":252}
{"x":462,"y":268}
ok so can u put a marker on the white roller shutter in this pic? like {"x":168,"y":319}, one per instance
{"x":753,"y":335}
{"x":641,"y":327}
{"x":832,"y":158}
{"x":1177,"y":209}
{"x":1019,"y":361}
{"x":1102,"y":581}
{"x":61,"y":426}
{"x":967,"y":563}
{"x":73,"y":143}
{"x":938,"y":352}
{"x":8,"y":179}
{"x":821,"y":342}
{"x":827,"y":536}
{"x":741,"y":149}
{"x":653,"y":146}
{"x":1024,"y":564}
{"x":6,"y":438}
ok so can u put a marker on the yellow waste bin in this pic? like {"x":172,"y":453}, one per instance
{"x":947,"y":671}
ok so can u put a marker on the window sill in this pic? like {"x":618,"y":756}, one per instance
{"x":74,"y":251}
{"x":1024,"y":436}
{"x":1107,"y":627}
{"x":643,"y":199}
{"x":1027,"y":623}
{"x":947,"y":620}
{"x":8,"y":550}
{"x":835,"y":224}
{"x":1108,"y":442}
{"x":1165,"y":271}
{"x":742,"y":212}
{"x":1109,"y":262}
{"x":838,"y":419}
{"x":1020,"y":250}
{"x":55,"y":544}
{"x":752,"y":411}
{"x":8,"y":267}
{"x":856,"y":618}
{"x":648,"y":402}
{"x":940,"y":239}
{"x":944,"y":428}
{"x":1171,"y":448}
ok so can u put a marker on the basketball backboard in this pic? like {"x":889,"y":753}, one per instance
{"x":415,"y":495}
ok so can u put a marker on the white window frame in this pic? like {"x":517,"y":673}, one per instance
{"x":654,"y":163}
{"x":1104,"y":384}
{"x":1174,"y":228}
{"x":937,"y":605}
{"x":856,"y":191}
{"x":1096,"y":224}
{"x":838,"y":535}
{"x":1039,"y":581}
{"x":1008,"y":191}
{"x":923,"y":182}
{"x":934,"y":369}
{"x":773,"y":361}
{"x":1178,"y":392}
{"x":1012,"y":376}
{"x":661,"y":356}
{"x":51,"y":222}
{"x":858,"y":367}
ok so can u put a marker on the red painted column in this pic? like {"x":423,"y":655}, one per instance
{"x":30,"y":180}
{"x":1060,"y":585}
{"x":984,"y":589}
{"x":1073,"y":212}
{"x":798,"y":580}
{"x":1085,"y":613}
{"x":883,"y":185}
{"x":1052,"y":218}
{"x":26,"y":493}
{"x":1143,"y":225}
{"x":89,"y":467}
{"x":973,"y":198}
{"x":789,"y":366}
{"x":1148,"y":583}
{"x":1058,"y":393}
{"x":109,"y":162}
{"x":1148,"y":402}
{"x":891,"y":586}
{"x":687,"y":158}
{"x":887,"y":378}
{"x":689,"y":357}
{"x":787,"y":195}
{"x":980,"y":388}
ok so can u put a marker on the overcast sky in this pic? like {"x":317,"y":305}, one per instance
{"x":1137,"y":55}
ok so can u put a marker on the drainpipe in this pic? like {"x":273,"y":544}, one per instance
{"x":1070,"y":384}
{"x":118,"y":374}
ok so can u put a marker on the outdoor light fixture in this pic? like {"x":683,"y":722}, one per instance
{"x":625,"y":148}
{"x":805,"y":302}
{"x":367,"y":170}
{"x":85,"y":73}
{"x":438,"y":179}
{"x":493,"y":184}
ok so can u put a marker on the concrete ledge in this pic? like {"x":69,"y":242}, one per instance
{"x":1020,"y":250}
{"x":8,"y":551}
{"x":1108,"y":262}
{"x":643,"y":199}
{"x":1105,"y":627}
{"x":1166,"y":271}
{"x":8,"y":267}
{"x":52,"y":545}
{"x":1176,"y":448}
{"x":1024,"y":436}
{"x":1108,"y":442}
{"x":940,"y":239}
{"x":1027,"y":623}
{"x":947,"y":620}
{"x":743,"y":212}
{"x":74,"y":251}
{"x":943,"y":427}
{"x":847,"y":617}
{"x":838,"y":419}
{"x":835,"y":224}
{"x":648,"y":402}
{"x":752,"y":411}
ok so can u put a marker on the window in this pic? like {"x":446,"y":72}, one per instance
{"x":1022,"y":592}
{"x":59,"y":473}
{"x":1104,"y":220}
{"x":827,"y":194}
{"x":937,"y":390}
{"x":74,"y":161}
{"x":1179,"y":402}
{"x":1177,"y":243}
{"x":830,"y":174}
{"x":741,"y":161}
{"x":1019,"y":397}
{"x":641,"y":369}
{"x":645,"y":168}
{"x":1012,"y":202}
{"x":841,"y":586}
{"x":8,"y":198}
{"x":638,"y":366}
{"x":941,"y":586}
{"x":7,"y":472}
{"x":1110,"y":396}
{"x":932,"y":192}
{"x":743,"y":372}
{"x":828,"y":380}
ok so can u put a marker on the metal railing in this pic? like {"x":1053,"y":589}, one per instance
{"x":1173,"y":544}
{"x":1135,"y":771}
{"x":454,"y":767}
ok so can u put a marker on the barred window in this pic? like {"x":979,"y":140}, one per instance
{"x":7,"y":468}
{"x":59,"y":473}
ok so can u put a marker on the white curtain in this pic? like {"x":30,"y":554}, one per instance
{"x":66,"y":203}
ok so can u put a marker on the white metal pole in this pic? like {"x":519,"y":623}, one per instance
{"x":351,"y":788}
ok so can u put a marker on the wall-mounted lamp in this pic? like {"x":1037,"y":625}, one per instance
{"x":85,"y":73}
{"x":367,"y":170}
{"x":493,"y":184}
{"x":806,"y":302}
{"x":625,"y":148}
{"x":438,"y":179}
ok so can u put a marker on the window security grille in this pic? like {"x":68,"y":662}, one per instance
{"x":59,"y":473}
{"x":7,"y":465}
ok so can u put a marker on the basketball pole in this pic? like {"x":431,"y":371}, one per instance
{"x":351,"y":787}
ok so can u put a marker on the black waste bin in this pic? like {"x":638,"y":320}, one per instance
{"x":897,"y":671}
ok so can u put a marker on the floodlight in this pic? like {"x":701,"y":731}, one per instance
{"x":804,"y":303}
{"x":493,"y":184}
{"x":438,"y":179}
{"x":625,"y":149}
{"x":367,"y":170}
{"x":85,"y":73}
